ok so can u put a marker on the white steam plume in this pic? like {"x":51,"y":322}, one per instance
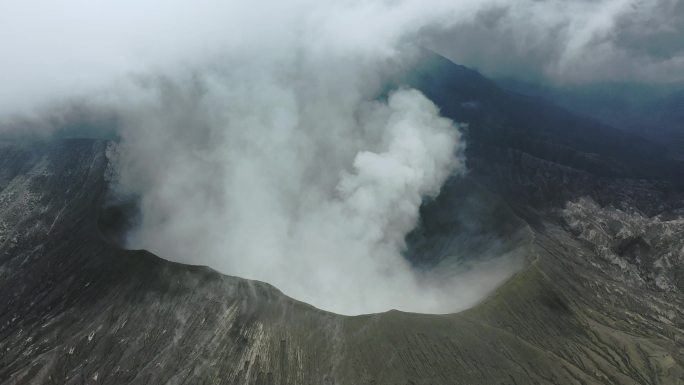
{"x":317,"y":206}
{"x":255,"y":136}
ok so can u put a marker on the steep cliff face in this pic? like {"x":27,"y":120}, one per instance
{"x":599,"y":300}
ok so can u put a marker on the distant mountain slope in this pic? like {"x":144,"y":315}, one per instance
{"x":599,"y":302}
{"x":504,"y":119}
{"x":653,"y":111}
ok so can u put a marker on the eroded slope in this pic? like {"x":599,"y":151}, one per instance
{"x":75,"y":309}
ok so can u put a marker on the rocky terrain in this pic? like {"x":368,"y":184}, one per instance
{"x":598,"y":301}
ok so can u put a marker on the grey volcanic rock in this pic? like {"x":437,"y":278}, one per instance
{"x":599,"y":300}
{"x":76,"y":309}
{"x":648,"y":250}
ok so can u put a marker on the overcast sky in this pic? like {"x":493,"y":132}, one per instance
{"x":72,"y":47}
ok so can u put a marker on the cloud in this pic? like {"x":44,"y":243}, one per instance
{"x":571,"y":41}
{"x":256,"y":134}
{"x":74,"y":48}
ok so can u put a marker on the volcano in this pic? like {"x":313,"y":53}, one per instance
{"x":598,"y":213}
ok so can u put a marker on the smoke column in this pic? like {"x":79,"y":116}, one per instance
{"x":306,"y":182}
{"x":256,"y":133}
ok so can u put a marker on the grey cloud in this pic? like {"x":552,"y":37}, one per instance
{"x":252,"y":133}
{"x":572,"y":41}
